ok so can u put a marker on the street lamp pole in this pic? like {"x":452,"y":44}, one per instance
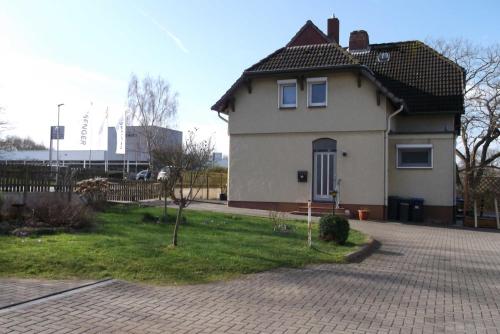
{"x":58,"y":116}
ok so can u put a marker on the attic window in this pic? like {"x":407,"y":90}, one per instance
{"x":317,"y":89}
{"x":383,"y":57}
{"x":287,"y":93}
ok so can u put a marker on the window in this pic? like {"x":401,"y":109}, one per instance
{"x":414,"y":156}
{"x":287,"y":91}
{"x":317,"y":89}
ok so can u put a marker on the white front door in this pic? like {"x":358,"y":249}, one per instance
{"x":324,"y":175}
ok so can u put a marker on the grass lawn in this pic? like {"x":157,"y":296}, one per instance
{"x":212,"y":246}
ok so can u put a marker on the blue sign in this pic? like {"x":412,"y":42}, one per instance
{"x":54,"y":133}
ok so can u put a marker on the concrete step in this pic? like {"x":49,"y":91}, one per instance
{"x":313,"y":213}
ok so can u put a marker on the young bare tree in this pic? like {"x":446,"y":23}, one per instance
{"x":152,"y":104}
{"x":479,"y":147}
{"x":187,"y":164}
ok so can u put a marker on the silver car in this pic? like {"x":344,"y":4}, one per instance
{"x":163,"y":174}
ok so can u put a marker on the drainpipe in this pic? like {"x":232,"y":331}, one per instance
{"x":222,"y":118}
{"x":386,"y":154}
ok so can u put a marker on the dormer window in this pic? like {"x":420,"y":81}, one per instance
{"x":317,"y":89}
{"x":287,"y":92}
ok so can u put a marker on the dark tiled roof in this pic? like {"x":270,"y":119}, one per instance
{"x":425,"y":80}
{"x":304,"y":57}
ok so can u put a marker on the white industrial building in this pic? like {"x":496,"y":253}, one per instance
{"x":135,"y":158}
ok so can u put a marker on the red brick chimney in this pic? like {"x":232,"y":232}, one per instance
{"x":333,"y":29}
{"x":358,"y":40}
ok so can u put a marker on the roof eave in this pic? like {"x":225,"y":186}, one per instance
{"x":221,"y":104}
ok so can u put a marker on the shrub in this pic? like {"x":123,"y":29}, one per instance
{"x":44,"y":216}
{"x":148,"y":217}
{"x":334,"y":228}
{"x":58,"y":213}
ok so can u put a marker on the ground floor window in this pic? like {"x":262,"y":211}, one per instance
{"x":414,"y":156}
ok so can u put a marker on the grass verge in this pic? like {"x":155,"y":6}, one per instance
{"x":212,"y":246}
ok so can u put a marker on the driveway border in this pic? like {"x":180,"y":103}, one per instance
{"x":366,"y":250}
{"x":3,"y":308}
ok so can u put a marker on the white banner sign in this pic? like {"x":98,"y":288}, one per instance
{"x":120,"y":134}
{"x":93,"y":129}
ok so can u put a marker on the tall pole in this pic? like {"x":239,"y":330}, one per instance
{"x":50,"y":150}
{"x":58,"y":114}
{"x":58,"y":117}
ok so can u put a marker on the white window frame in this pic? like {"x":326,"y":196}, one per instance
{"x":403,"y":146}
{"x":311,"y":81}
{"x":281,"y":84}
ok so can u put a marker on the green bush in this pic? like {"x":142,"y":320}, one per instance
{"x":334,"y":228}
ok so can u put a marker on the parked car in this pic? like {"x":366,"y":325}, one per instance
{"x":164,"y":173}
{"x":144,"y":175}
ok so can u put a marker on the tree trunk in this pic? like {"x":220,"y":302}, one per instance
{"x":466,"y":192}
{"x":165,"y":217}
{"x":177,"y":224}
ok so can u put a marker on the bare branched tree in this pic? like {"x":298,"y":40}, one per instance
{"x":152,"y":104}
{"x":479,"y":147}
{"x":3,"y":127}
{"x":16,"y":143}
{"x":187,"y":164}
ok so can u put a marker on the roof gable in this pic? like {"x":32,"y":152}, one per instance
{"x":411,"y":72}
{"x":307,"y":35}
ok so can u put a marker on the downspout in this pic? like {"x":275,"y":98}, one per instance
{"x":386,"y":154}
{"x":227,"y":181}
{"x":222,"y":118}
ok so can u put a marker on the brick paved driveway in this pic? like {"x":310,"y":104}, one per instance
{"x":422,"y":280}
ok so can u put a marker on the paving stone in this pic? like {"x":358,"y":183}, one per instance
{"x":422,"y":280}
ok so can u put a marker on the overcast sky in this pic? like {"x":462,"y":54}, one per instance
{"x":78,"y":52}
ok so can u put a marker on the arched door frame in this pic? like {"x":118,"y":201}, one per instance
{"x":324,"y":165}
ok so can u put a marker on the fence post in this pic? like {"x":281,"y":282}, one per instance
{"x":208,"y":189}
{"x":475,"y":213}
{"x":497,"y":214}
{"x":309,"y":224}
{"x":70,"y":183}
{"x":25,"y":187}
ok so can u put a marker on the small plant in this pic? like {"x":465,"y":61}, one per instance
{"x":334,"y":228}
{"x":277,"y":219}
{"x":363,"y":213}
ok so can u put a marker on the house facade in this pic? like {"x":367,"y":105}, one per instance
{"x":368,"y":121}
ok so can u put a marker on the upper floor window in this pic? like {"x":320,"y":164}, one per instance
{"x":414,"y":156}
{"x":317,"y":89}
{"x":287,"y":91}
